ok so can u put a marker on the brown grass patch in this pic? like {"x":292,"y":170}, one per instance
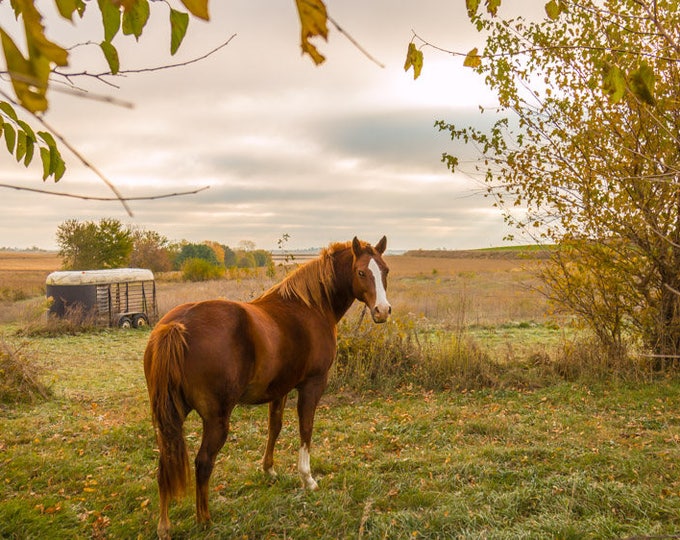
{"x":23,"y":273}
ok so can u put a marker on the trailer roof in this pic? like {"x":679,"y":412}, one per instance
{"x":99,"y":277}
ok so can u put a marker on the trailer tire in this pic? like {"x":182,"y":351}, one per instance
{"x":140,"y":321}
{"x":125,"y":322}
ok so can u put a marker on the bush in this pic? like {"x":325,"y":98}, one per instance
{"x":398,"y":354}
{"x":19,"y":377}
{"x":200,"y":270}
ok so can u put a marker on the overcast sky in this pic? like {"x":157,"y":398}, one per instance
{"x":318,"y":153}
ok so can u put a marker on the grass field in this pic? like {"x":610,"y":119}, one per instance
{"x":580,"y":458}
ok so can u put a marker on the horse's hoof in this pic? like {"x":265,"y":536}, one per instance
{"x":311,"y":484}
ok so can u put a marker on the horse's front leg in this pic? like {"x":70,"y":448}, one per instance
{"x":275,"y":421}
{"x":308,"y":399}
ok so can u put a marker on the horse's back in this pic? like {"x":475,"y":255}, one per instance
{"x":249,"y":352}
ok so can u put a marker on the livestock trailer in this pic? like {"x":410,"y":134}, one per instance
{"x":124,"y":297}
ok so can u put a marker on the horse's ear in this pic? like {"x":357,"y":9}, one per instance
{"x":356,"y":247}
{"x":382,"y":245}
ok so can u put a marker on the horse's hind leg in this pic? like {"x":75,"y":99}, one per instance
{"x":215,"y":431}
{"x":275,"y":421}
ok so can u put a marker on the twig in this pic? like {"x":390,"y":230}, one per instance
{"x":94,"y":198}
{"x":145,"y":70}
{"x":85,"y":162}
{"x":355,"y":43}
{"x":364,"y":517}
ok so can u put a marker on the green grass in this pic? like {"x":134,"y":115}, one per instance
{"x":568,"y":460}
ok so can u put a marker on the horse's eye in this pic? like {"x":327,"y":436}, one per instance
{"x":362,"y":273}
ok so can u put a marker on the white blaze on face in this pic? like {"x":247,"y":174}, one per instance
{"x":380,"y":293}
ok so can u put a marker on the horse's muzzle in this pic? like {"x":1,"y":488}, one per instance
{"x":381,"y":313}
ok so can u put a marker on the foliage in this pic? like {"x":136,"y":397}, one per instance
{"x":22,"y":142}
{"x":196,"y":269}
{"x":31,"y":73}
{"x":584,"y":153}
{"x":150,"y":250}
{"x":196,"y":251}
{"x":230,"y":259}
{"x":89,"y":245}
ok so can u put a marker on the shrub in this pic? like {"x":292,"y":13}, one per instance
{"x":200,"y":270}
{"x":19,"y":380}
{"x":401,"y":353}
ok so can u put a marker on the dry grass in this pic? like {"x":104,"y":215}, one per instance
{"x":23,"y":273}
{"x":467,"y":292}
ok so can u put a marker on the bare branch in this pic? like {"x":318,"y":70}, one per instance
{"x":355,"y":43}
{"x":100,"y":76}
{"x":94,"y":198}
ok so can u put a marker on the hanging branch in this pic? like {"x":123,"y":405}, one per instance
{"x":40,"y":118}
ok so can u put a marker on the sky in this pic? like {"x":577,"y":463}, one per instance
{"x":319,"y":154}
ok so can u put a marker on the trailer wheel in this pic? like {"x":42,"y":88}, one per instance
{"x":125,"y":322}
{"x":140,"y":321}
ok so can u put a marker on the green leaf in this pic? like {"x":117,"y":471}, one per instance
{"x":472,"y":6}
{"x":47,"y":137}
{"x":30,"y":148}
{"x":110,"y":18}
{"x":179,"y":22}
{"x":57,"y":165}
{"x":552,"y":10}
{"x":135,"y":17}
{"x":21,"y":145}
{"x":45,"y":158}
{"x":198,"y":8}
{"x":642,"y":82}
{"x":614,"y":83}
{"x":111,"y":55}
{"x":29,"y":131}
{"x":8,"y":110}
{"x":10,"y":137}
{"x":473,"y":59}
{"x":66,"y":8}
{"x":414,"y":59}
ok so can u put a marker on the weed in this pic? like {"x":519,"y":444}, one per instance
{"x":20,"y":379}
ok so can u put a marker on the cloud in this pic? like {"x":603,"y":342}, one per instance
{"x":319,"y":153}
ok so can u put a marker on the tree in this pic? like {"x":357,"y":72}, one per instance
{"x":229,"y":257}
{"x":585,"y":154}
{"x":150,"y":250}
{"x":89,"y":245}
{"x":196,"y":251}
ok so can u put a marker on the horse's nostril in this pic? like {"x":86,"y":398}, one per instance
{"x":389,"y":311}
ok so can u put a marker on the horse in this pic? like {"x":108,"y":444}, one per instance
{"x":210,"y":356}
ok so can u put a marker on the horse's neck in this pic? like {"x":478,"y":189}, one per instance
{"x":343,"y":297}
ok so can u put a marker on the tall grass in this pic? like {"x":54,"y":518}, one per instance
{"x":20,"y":376}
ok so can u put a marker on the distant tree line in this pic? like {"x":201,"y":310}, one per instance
{"x":90,"y":245}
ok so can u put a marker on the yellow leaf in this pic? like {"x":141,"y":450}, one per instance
{"x":313,"y":22}
{"x":37,"y":43}
{"x":29,"y":79}
{"x":414,"y":59}
{"x":199,"y":8}
{"x":473,"y":59}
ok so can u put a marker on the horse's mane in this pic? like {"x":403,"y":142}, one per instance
{"x":313,"y":282}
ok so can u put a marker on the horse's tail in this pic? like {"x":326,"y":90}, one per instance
{"x":163,"y":360}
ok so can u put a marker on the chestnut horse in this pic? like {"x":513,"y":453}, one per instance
{"x":210,"y":356}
